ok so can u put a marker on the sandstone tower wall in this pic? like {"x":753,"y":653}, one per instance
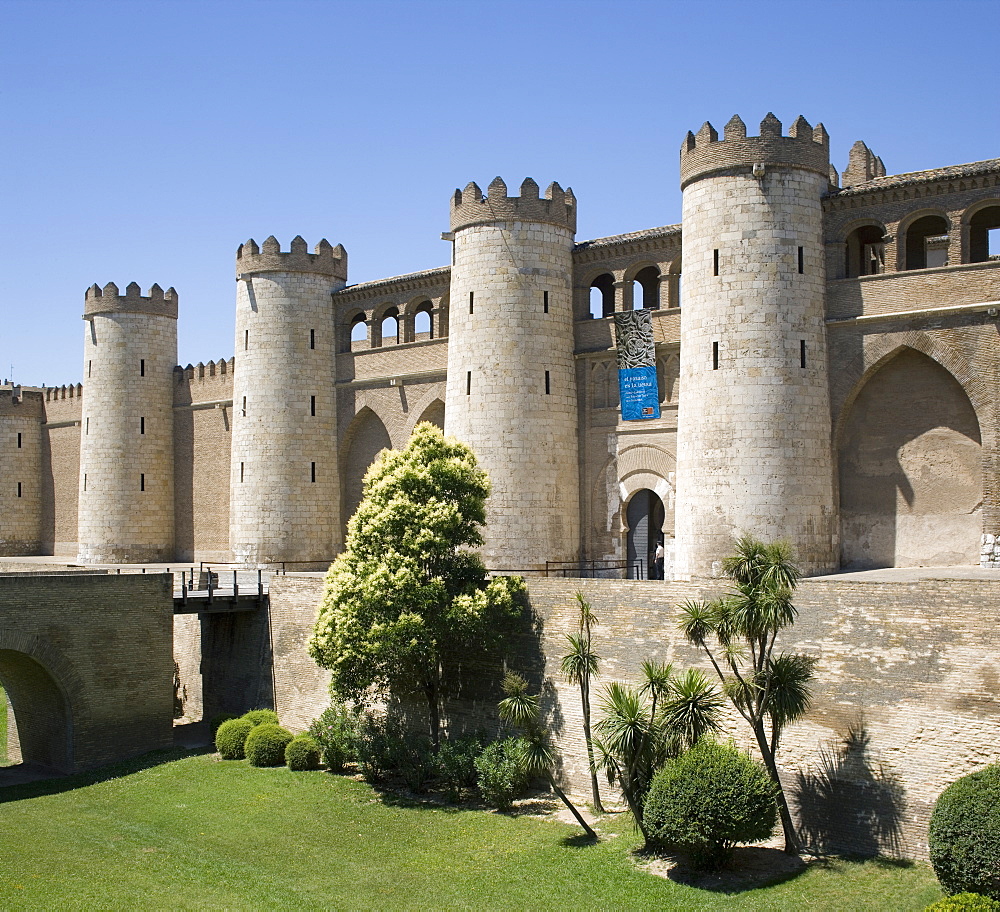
{"x":511,"y":389}
{"x":754,"y":437}
{"x":284,"y":478}
{"x":21,"y":417}
{"x":126,"y":506}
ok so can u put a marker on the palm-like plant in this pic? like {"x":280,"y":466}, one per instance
{"x":579,"y":665}
{"x":738,"y":634}
{"x":691,"y":708}
{"x":520,"y":709}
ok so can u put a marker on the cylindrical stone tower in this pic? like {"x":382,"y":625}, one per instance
{"x":754,"y":438}
{"x":511,"y":391}
{"x":285,"y":483}
{"x":126,"y":512}
{"x":22,"y":413}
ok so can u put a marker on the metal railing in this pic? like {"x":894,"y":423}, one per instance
{"x":585,"y":569}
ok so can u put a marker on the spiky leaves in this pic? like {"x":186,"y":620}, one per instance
{"x":408,"y":596}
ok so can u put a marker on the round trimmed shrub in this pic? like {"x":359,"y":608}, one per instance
{"x":965,"y":902}
{"x":965,"y":834}
{"x":266,"y":745}
{"x":500,"y":772}
{"x":302,"y":753}
{"x":230,"y":739}
{"x":706,"y":801}
{"x":219,"y":719}
{"x":261,"y":717}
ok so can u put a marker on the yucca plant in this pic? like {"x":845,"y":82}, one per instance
{"x":521,"y":710}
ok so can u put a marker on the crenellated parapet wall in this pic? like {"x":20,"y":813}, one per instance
{"x":324,"y":260}
{"x":107,"y":300}
{"x":804,"y":148}
{"x":471,"y":207}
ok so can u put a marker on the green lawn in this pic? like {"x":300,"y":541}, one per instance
{"x":3,"y":727}
{"x":196,"y":833}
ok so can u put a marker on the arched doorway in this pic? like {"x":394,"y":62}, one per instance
{"x":910,"y":463}
{"x":40,"y":716}
{"x":644,"y":518}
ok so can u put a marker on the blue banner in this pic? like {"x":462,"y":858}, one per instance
{"x":639,"y":394}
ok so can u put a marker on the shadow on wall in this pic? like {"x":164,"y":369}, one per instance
{"x":853,"y":803}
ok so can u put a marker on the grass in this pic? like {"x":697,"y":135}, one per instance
{"x":197,"y":833}
{"x":3,"y":728}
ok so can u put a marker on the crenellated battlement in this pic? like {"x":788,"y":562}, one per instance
{"x":200,"y":372}
{"x":73,"y":391}
{"x":471,"y":207}
{"x":805,"y":147}
{"x":863,"y":165}
{"x":268,"y":257}
{"x":17,"y":402}
{"x":108,"y":299}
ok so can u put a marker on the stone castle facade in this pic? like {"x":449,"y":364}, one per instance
{"x":827,"y":359}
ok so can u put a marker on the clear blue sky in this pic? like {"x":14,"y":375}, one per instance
{"x":143,"y":141}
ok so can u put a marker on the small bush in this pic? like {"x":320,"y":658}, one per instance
{"x":230,"y":739}
{"x":500,"y":772}
{"x":336,"y":733}
{"x":965,"y":834}
{"x":456,"y":764}
{"x":706,"y":801}
{"x":266,"y":745}
{"x":965,"y":902}
{"x":261,"y":717}
{"x":374,"y":751}
{"x":302,"y":753}
{"x":219,"y":719}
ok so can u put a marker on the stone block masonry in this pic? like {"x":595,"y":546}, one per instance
{"x":87,"y":662}
{"x":905,"y":697}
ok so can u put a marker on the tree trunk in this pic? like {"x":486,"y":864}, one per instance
{"x":585,"y":699}
{"x":586,"y":826}
{"x":788,"y":828}
{"x":434,"y":715}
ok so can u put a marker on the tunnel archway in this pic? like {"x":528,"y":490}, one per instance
{"x":41,"y":714}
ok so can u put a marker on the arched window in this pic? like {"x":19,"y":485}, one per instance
{"x":602,"y":296}
{"x":927,"y":243}
{"x":984,"y":235}
{"x":390,"y":326}
{"x":359,"y":329}
{"x":423,"y":322}
{"x":864,"y":251}
{"x":646,"y":289}
{"x":674,"y":284}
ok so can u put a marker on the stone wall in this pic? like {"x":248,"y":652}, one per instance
{"x":86,"y":661}
{"x":906,"y":696}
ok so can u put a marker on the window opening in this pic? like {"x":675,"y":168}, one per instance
{"x":90,"y":368}
{"x":142,"y":481}
{"x":547,"y":385}
{"x":86,"y":429}
{"x":84,"y":481}
{"x":243,"y":411}
{"x":246,"y":340}
{"x":312,"y":406}
{"x":802,"y":261}
{"x":802,"y":353}
{"x":927,"y":243}
{"x":19,"y":440}
{"x":715,"y":356}
{"x":241,"y":473}
{"x":390,"y":327}
{"x":359,"y":329}
{"x":422,"y":323}
{"x":468,"y":383}
{"x":312,"y":338}
{"x":472,"y":301}
{"x":715,"y":261}
{"x":984,"y":235}
{"x":312,"y":471}
{"x":602,"y":296}
{"x":545,"y":301}
{"x":142,"y":367}
{"x":865,"y":252}
{"x":646,"y":289}
{"x":142,"y":425}
{"x":19,"y":489}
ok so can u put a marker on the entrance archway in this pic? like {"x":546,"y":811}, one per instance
{"x":644,"y":518}
{"x":40,"y":712}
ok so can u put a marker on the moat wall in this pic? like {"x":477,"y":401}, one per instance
{"x":906,"y":696}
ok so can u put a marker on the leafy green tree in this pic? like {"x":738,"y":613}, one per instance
{"x":643,"y":727}
{"x":738,"y":634}
{"x":408,"y":597}
{"x":520,"y":709}
{"x":579,"y":665}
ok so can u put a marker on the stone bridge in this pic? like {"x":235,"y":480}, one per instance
{"x":87,"y":663}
